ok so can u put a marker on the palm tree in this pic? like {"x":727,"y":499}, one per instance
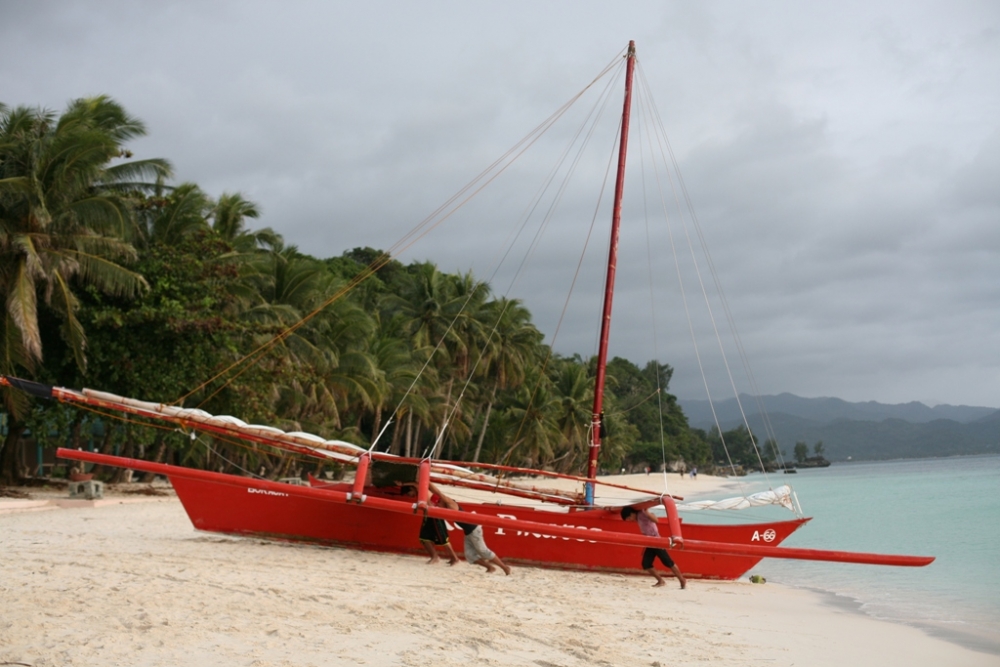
{"x":468,"y":344}
{"x":327,"y":355}
{"x":171,"y":214}
{"x":429,"y":308}
{"x":530,"y":419}
{"x":438,"y":313}
{"x":395,"y":373}
{"x":512,"y":344}
{"x":229,"y":221}
{"x":574,"y":391}
{"x":63,"y":216}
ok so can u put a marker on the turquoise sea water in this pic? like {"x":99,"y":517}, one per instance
{"x":948,"y":508}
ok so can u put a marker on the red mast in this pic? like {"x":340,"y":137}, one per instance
{"x":609,"y":284}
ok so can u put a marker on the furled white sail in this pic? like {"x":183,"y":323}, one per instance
{"x":783,"y":495}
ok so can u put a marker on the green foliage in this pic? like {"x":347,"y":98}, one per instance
{"x":63,"y":220}
{"x":63,"y":223}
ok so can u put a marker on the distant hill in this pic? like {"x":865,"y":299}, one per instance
{"x":861,"y":431}
{"x":829,"y":409}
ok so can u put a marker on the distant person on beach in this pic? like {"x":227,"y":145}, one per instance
{"x":647,"y":526}
{"x":476,"y":551}
{"x":433,"y":532}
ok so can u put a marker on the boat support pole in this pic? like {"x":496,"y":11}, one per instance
{"x":357,"y":494}
{"x":423,"y":486}
{"x":673,"y":522}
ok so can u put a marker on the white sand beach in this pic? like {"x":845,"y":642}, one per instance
{"x":130,"y":582}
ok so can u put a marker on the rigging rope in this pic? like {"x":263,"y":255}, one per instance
{"x":649,"y":272}
{"x":679,"y":190}
{"x":666,"y":149}
{"x":419,"y":231}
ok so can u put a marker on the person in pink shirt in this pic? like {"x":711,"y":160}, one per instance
{"x":647,"y":526}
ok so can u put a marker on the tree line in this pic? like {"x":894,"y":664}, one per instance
{"x":114,"y":279}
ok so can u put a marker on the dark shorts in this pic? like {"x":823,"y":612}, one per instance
{"x":434,"y":531}
{"x":650,"y":554}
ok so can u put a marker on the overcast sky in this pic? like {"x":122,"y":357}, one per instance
{"x":843,"y":161}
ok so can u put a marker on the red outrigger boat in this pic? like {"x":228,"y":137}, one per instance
{"x":565,"y":530}
{"x":372,"y":515}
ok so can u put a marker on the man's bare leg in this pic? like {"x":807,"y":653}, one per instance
{"x":677,"y":573}
{"x":452,"y":556}
{"x":503,"y":566}
{"x":485,"y":563}
{"x":659,"y":579}
{"x":431,"y":551}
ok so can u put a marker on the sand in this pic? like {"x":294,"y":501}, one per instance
{"x":130,"y":582}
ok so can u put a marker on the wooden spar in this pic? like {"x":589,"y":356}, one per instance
{"x":507,"y":491}
{"x":609,"y":283}
{"x":450,"y":468}
{"x":480,"y":486}
{"x":444,"y":468}
{"x":568,"y":532}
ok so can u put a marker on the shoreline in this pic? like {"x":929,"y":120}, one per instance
{"x":109,"y":583}
{"x":979,"y":642}
{"x":953,"y":599}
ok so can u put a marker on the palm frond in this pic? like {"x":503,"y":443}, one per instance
{"x":143,"y":170}
{"x":22,"y":309}
{"x":66,"y":303}
{"x":105,"y":274}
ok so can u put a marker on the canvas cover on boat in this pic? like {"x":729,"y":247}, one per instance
{"x":779,"y":496}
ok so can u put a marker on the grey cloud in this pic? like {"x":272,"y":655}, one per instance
{"x":843,"y":160}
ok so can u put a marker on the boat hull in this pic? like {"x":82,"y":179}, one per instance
{"x":239,"y":506}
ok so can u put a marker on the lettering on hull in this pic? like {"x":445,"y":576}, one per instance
{"x":266,"y":492}
{"x":525,"y":533}
{"x":768,"y":535}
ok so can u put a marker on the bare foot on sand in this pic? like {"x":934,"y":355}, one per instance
{"x":490,"y":569}
{"x":452,"y":560}
{"x":433,"y":560}
{"x":506,"y":569}
{"x":659,"y":582}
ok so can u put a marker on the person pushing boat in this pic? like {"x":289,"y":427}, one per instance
{"x":433,"y":532}
{"x":476,"y":551}
{"x":647,"y":526}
